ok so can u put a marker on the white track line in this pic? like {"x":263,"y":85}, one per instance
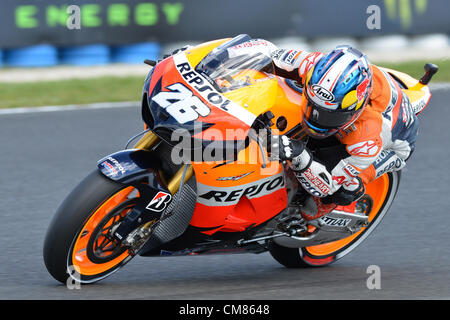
{"x":92,"y":106}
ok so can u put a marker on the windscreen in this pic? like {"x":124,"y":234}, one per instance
{"x":229,"y":69}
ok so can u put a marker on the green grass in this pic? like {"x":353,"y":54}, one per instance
{"x":114,"y":89}
{"x":65,"y":92}
{"x":415,"y":69}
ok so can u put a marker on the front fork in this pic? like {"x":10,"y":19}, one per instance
{"x":152,"y":206}
{"x":173,"y":184}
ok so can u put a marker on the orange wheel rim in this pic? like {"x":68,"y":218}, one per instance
{"x":378,"y":190}
{"x":80,"y":259}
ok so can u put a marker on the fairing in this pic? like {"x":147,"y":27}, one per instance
{"x":418,"y":94}
{"x":227,"y":93}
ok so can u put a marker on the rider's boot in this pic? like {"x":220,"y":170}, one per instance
{"x":314,"y":208}
{"x":347,"y":195}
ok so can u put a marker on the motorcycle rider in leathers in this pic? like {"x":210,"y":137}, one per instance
{"x":363,"y":106}
{"x":357,"y":102}
{"x":351,"y":99}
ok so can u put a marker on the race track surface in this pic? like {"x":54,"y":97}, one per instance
{"x":45,"y":155}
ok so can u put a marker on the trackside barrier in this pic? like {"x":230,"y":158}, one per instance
{"x":86,"y":55}
{"x":34,"y":56}
{"x":95,"y":54}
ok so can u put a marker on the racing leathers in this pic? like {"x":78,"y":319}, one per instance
{"x":380,"y":140}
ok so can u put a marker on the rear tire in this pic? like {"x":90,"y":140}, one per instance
{"x":325,"y":254}
{"x":70,"y":219}
{"x":288,"y":257}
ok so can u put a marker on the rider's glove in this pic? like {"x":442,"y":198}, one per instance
{"x":312,"y":175}
{"x":294,"y":151}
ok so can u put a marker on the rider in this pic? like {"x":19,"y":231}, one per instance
{"x":358,"y":103}
{"x":362,"y":106}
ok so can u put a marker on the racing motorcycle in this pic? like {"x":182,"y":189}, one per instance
{"x":140,"y":201}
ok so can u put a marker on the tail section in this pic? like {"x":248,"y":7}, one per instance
{"x":417,"y":91}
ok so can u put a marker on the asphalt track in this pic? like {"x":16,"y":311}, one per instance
{"x":44,"y":155}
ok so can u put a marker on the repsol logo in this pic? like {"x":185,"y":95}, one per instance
{"x":322,"y":93}
{"x":313,"y":184}
{"x":309,"y":187}
{"x":202,"y":86}
{"x":316,"y":181}
{"x":394,"y":165}
{"x":229,"y":196}
{"x":117,"y":164}
{"x":290,"y":56}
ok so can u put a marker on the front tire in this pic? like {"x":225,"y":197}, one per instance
{"x":382,"y":190}
{"x":69,"y":243}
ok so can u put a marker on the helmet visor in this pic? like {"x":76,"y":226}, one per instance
{"x":323,"y":122}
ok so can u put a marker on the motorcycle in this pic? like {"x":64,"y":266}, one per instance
{"x":145,"y":201}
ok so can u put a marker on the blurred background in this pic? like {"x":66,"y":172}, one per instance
{"x":94,"y":49}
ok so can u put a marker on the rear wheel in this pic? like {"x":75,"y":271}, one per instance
{"x":380,"y":195}
{"x":80,"y":238}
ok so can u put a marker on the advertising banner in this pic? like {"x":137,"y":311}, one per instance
{"x":77,"y":22}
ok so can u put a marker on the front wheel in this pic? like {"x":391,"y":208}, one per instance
{"x":382,"y":191}
{"x":79,"y":237}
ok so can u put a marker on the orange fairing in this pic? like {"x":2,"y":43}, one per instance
{"x":234,"y":197}
{"x":240,"y":193}
{"x":418,"y":94}
{"x":248,"y":190}
{"x":220,"y":113}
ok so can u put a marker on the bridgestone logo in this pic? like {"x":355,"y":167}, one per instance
{"x":159,"y":202}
